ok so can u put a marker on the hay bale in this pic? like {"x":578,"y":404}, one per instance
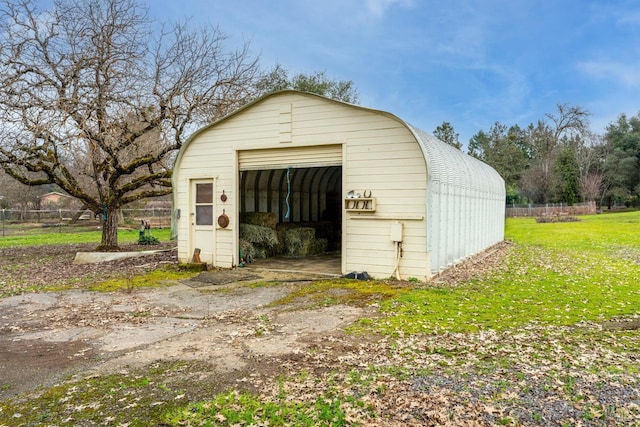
{"x":262,"y":219}
{"x":248,"y":252}
{"x":257,"y":242}
{"x":281,"y":230}
{"x":264,"y":237}
{"x":298,"y":241}
{"x":251,"y":252}
{"x":318,"y":246}
{"x":324,"y":229}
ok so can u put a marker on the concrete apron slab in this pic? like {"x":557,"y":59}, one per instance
{"x":222,"y":325}
{"x":96,"y":257}
{"x":128,"y":337}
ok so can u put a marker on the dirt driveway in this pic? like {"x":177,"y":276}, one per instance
{"x":219,"y":319}
{"x":44,"y":336}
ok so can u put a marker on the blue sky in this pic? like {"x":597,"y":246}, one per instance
{"x":467,"y":62}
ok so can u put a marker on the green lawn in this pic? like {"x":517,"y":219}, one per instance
{"x":556,"y":274}
{"x":20,"y":236}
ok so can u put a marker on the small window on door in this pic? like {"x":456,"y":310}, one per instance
{"x":204,"y":204}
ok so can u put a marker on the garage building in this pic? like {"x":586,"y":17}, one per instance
{"x":326,"y":176}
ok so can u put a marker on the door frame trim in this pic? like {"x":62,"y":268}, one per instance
{"x":192,"y":226}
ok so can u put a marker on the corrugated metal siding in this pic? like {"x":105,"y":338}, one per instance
{"x":465,"y":203}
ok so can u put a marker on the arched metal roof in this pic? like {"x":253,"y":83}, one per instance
{"x":449,"y":165}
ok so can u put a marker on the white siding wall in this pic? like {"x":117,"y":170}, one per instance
{"x":387,"y":161}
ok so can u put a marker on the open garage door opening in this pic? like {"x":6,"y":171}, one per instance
{"x":291,"y":218}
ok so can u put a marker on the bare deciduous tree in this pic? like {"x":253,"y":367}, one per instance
{"x":592,"y":187}
{"x":97,"y":100}
{"x":546,"y":140}
{"x":15,"y":195}
{"x":590,"y":153}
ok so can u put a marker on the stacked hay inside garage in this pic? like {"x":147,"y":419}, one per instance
{"x":257,"y":241}
{"x":261,"y":236}
{"x":258,"y":237}
{"x":301,"y":239}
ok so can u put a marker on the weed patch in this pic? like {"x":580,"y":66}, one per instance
{"x":234,"y":408}
{"x":162,"y":277}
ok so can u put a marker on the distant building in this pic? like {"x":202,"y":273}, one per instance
{"x":56,"y":200}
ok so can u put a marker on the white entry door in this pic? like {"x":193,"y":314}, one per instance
{"x":202,"y":219}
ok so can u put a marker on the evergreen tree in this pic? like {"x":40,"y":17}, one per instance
{"x":622,"y":165}
{"x":568,"y":177}
{"x":446,"y":133}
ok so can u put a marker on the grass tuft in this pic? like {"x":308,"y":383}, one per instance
{"x":324,"y":293}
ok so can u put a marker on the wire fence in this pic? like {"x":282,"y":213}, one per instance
{"x":551,"y":209}
{"x":155,"y":217}
{"x":158,"y":217}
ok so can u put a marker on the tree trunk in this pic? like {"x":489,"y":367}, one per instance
{"x":110,"y":230}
